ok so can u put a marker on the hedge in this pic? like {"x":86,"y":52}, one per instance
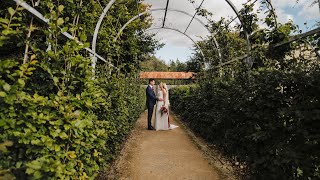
{"x":271,"y":123}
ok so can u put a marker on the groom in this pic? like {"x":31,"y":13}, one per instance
{"x":151,"y":101}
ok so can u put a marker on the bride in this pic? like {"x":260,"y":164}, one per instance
{"x":162,"y":121}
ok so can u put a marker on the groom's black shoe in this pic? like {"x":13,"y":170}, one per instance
{"x":151,"y":128}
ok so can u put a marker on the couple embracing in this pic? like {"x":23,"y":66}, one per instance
{"x":162,"y":121}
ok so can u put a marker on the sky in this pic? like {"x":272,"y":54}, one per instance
{"x":179,"y":46}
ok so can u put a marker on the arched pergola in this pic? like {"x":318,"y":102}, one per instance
{"x":176,"y":30}
{"x":94,"y":55}
{"x":169,"y":9}
{"x":106,"y":9}
{"x":215,"y":42}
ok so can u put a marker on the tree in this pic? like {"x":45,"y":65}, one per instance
{"x":152,"y":63}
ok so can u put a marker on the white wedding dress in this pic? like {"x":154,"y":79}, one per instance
{"x":162,"y":121}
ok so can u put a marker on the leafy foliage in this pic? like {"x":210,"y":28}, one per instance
{"x":58,"y":119}
{"x":154,"y":64}
{"x":271,"y":124}
{"x":267,"y":116}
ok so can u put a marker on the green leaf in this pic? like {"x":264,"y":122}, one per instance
{"x":29,"y":171}
{"x":83,"y":37}
{"x":63,"y":135}
{"x":50,"y":54}
{"x":76,"y":113}
{"x":33,"y":62}
{"x":6,"y":87}
{"x":57,"y":148}
{"x":11,"y":11}
{"x":37,"y":175}
{"x":18,"y":164}
{"x":4,"y":145}
{"x":55,"y":79}
{"x":96,"y":153}
{"x":60,"y":21}
{"x":5,"y":21}
{"x":65,"y":29}
{"x":3,"y":94}
{"x":35,"y":141}
{"x":21,"y":82}
{"x":71,"y":154}
{"x":60,"y":8}
{"x":66,"y":127}
{"x":89,"y":103}
{"x":299,"y":172}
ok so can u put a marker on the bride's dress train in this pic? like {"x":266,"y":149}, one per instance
{"x":162,"y":121}
{"x":172,"y":126}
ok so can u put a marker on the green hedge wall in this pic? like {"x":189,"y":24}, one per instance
{"x":59,"y":118}
{"x":63,"y":136}
{"x":271,"y":123}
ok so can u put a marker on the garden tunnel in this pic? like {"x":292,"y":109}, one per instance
{"x":63,"y":121}
{"x":215,"y":44}
{"x":166,"y":9}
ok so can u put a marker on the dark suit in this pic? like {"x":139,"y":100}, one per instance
{"x":151,"y":101}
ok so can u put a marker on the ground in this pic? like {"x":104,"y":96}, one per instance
{"x":173,"y":154}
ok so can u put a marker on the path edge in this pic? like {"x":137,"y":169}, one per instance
{"x":223,"y":167}
{"x":112,"y":172}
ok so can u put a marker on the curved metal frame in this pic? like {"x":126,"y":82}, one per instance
{"x":111,"y":2}
{"x":154,"y":28}
{"x":194,"y":15}
{"x":175,"y":10}
{"x":106,"y":9}
{"x":96,"y":30}
{"x":273,"y":12}
{"x":45,"y":20}
{"x":244,"y":29}
{"x":159,"y":9}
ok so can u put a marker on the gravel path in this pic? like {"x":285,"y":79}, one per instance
{"x":163,"y":155}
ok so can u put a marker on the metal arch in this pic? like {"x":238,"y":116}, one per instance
{"x":106,"y":9}
{"x":111,"y":2}
{"x":272,"y":9}
{"x":96,"y":30}
{"x":159,"y":9}
{"x":233,"y":7}
{"x":193,"y":16}
{"x":45,"y":20}
{"x":216,"y":32}
{"x":273,"y":12}
{"x":175,"y":10}
{"x":154,"y":28}
{"x":165,"y":14}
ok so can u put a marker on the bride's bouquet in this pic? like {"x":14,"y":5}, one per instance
{"x":163,"y":110}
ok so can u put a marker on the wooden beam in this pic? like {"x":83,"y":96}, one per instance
{"x":167,"y":75}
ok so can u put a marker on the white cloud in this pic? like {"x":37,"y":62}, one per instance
{"x":283,"y":3}
{"x":172,"y":37}
{"x":282,"y":16}
{"x":303,"y":8}
{"x":310,"y":12}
